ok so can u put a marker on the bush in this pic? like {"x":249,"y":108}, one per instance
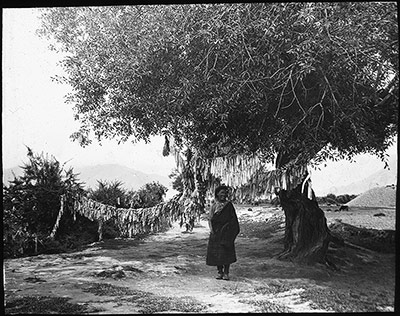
{"x":335,"y":200}
{"x":330,"y":201}
{"x":110,"y":229}
{"x":31,"y":203}
{"x":51,"y":246}
{"x":331,"y":196}
{"x":148,"y":195}
{"x":109,"y":193}
{"x":177,"y":182}
{"x":112,"y":193}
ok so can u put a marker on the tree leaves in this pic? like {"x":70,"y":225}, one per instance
{"x":254,"y":77}
{"x":31,"y":201}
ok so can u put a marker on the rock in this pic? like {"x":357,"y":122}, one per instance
{"x":133,"y":269}
{"x":111,"y":273}
{"x":104,"y":274}
{"x":34,"y":280}
{"x":385,"y":308}
{"x":118,"y":274}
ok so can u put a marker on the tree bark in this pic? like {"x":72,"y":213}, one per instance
{"x":188,"y":200}
{"x":307,"y":235}
{"x":200,"y":186}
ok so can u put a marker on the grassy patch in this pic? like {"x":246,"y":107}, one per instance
{"x":79,"y":256}
{"x":262,"y":229}
{"x":335,"y":300}
{"x":148,"y":303}
{"x":105,"y":289}
{"x":342,"y":300}
{"x":265,"y":306}
{"x":374,"y":239}
{"x":156,"y":304}
{"x":44,"y":305}
{"x":273,"y":288}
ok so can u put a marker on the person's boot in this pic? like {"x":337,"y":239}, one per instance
{"x":225,"y":277}
{"x":220,"y":274}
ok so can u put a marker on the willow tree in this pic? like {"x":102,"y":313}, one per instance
{"x":242,"y":86}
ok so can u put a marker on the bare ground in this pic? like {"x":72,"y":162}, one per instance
{"x":166,"y":273}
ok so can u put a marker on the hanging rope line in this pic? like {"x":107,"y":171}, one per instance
{"x":131,"y":221}
{"x":247,"y":175}
{"x":263,"y":183}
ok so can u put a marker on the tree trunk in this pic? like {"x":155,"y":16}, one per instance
{"x":188,"y":200}
{"x":200,"y":185}
{"x":307,"y":235}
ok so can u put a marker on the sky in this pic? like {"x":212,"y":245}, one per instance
{"x":34,"y":114}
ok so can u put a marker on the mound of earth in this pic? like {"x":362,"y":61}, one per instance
{"x":373,"y":239}
{"x":376,"y":197}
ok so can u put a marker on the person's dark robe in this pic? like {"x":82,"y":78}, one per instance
{"x":221,"y":244}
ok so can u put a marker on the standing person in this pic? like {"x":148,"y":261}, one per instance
{"x":224,"y":227}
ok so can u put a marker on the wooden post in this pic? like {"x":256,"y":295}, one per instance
{"x":60,"y":212}
{"x":100,"y":230}
{"x":4,"y":282}
{"x":36,"y":241}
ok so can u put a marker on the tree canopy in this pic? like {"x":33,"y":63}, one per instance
{"x":301,"y":80}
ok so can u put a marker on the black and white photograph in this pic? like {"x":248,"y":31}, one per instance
{"x":200,"y":158}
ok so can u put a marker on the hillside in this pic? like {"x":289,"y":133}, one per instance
{"x":377,"y":179}
{"x":376,"y":197}
{"x":131,"y":178}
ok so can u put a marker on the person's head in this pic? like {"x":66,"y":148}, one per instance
{"x":221,"y":193}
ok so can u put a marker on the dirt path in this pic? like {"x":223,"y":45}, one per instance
{"x":166,"y":273}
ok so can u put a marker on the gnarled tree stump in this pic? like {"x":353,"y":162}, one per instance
{"x":307,"y":235}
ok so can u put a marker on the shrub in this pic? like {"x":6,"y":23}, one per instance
{"x":148,"y":195}
{"x":177,"y":183}
{"x":112,"y":193}
{"x":331,"y":196}
{"x":31,"y":203}
{"x":333,"y":199}
{"x":330,"y":201}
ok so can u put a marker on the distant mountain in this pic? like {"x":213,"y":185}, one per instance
{"x":8,"y":174}
{"x":380,"y":178}
{"x":131,"y":179}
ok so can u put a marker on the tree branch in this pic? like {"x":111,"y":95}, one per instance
{"x":281,"y":96}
